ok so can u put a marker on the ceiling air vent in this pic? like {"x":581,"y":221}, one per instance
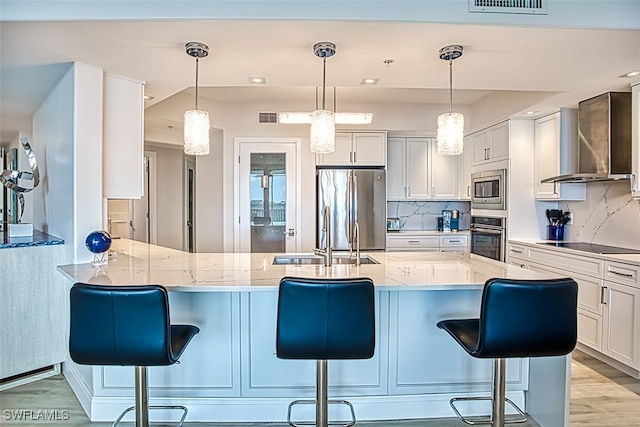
{"x":267,"y":118}
{"x":536,"y":7}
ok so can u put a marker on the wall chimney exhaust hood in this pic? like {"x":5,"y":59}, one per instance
{"x":604,"y":135}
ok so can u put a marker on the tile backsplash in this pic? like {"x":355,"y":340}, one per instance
{"x":609,"y":216}
{"x":423,"y":215}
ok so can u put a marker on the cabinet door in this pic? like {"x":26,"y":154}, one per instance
{"x":396,"y":169}
{"x":418,"y":176}
{"x":546,"y":160}
{"x":590,"y":329}
{"x":464,"y":170}
{"x":444,"y":175}
{"x":479,"y":144}
{"x":342,"y":155}
{"x":123,"y":144}
{"x":635,"y":140}
{"x":621,"y":337}
{"x":369,"y":148}
{"x":498,"y":142}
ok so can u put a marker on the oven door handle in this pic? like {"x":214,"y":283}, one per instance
{"x":487,"y":230}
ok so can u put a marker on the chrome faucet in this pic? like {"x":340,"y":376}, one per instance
{"x":356,"y":235}
{"x":327,"y":252}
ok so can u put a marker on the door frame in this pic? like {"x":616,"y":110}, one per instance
{"x":189,"y":162}
{"x":237,"y":141}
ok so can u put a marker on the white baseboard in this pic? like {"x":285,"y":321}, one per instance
{"x":31,"y":377}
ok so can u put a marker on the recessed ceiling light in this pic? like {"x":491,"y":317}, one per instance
{"x":369,"y":81}
{"x":257,"y":80}
{"x":148,"y":97}
{"x":531,"y":113}
{"x":631,"y":73}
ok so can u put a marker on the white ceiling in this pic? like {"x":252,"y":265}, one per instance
{"x":567,"y":63}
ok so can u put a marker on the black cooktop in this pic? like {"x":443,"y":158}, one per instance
{"x":591,"y":247}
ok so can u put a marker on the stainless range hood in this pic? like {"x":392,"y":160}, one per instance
{"x":604,"y":135}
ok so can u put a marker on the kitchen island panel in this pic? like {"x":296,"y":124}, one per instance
{"x":266,"y":374}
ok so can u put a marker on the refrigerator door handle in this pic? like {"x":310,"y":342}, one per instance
{"x":355,"y":200}
{"x":349,"y":205}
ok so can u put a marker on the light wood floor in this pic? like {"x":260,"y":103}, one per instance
{"x":601,"y":396}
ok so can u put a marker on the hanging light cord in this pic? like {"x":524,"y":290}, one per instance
{"x":324,"y":79}
{"x":197,"y":61}
{"x":450,"y":85}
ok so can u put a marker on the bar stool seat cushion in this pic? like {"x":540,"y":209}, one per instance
{"x":520,"y":318}
{"x":124,"y":325}
{"x":325,"y":319}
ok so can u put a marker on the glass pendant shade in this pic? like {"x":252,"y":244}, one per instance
{"x":450,"y":134}
{"x":323,"y":132}
{"x":196,"y":132}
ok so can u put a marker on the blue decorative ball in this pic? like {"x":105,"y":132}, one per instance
{"x":98,"y":241}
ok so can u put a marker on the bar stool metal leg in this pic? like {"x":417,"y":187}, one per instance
{"x":322,"y":404}
{"x":142,"y":397}
{"x":498,"y":393}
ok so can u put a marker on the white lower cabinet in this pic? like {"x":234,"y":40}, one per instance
{"x":608,"y":297}
{"x":449,"y":242}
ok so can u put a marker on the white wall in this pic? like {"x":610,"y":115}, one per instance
{"x":67,"y":135}
{"x":609,"y":216}
{"x":209,"y":193}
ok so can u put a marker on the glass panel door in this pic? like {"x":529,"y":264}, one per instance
{"x":268,"y":202}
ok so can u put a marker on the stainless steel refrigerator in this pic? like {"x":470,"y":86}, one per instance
{"x":353,"y":194}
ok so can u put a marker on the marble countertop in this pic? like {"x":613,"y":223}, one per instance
{"x":140,"y":263}
{"x":626,"y":258}
{"x":37,"y":239}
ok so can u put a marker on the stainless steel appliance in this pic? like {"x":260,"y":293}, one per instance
{"x":604,"y":139}
{"x":488,"y":237}
{"x":488,"y":190}
{"x":352,"y":195}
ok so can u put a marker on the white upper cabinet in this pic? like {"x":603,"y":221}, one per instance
{"x":491,"y":144}
{"x":123,"y":143}
{"x":444,"y":175}
{"x":635,"y":140}
{"x":464,"y":170}
{"x":357,"y":149}
{"x":415,"y":171}
{"x":556,"y":153}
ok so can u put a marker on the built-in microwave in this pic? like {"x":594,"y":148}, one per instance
{"x":488,"y":190}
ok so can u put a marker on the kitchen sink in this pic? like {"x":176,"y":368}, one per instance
{"x":318,"y":260}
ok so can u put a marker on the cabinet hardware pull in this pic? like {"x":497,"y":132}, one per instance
{"x":414,"y":242}
{"x":602,"y":291}
{"x":408,"y":191}
{"x":517,"y":251}
{"x":354,"y":157}
{"x":468,"y":190}
{"x":454,"y":241}
{"x":620,"y":274}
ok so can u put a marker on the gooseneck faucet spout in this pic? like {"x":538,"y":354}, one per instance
{"x":327,"y":252}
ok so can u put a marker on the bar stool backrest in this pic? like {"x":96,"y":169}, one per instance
{"x":325,"y":319}
{"x":527,"y":318}
{"x":120,"y":325}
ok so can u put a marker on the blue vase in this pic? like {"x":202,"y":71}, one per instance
{"x":555,"y":232}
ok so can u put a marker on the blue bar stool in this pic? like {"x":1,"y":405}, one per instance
{"x":127,"y":326}
{"x":325,"y":319}
{"x":518,"y":318}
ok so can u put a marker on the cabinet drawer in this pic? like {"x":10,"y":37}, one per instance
{"x":626,"y":274}
{"x":457,"y":240}
{"x":516,"y":251}
{"x":567,"y":262}
{"x":413,"y":242}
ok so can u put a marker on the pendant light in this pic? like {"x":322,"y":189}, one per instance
{"x":450,"y":125}
{"x":323,"y":121}
{"x":196,"y":122}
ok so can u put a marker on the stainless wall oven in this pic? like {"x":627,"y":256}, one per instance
{"x":488,"y":190}
{"x":488,"y":236}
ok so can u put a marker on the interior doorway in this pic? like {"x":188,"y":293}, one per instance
{"x":144,"y":224}
{"x":266,"y":194}
{"x":190,"y":204}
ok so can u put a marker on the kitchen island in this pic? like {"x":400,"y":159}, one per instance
{"x":230,"y":373}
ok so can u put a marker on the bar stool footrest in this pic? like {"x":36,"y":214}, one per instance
{"x":132,"y":408}
{"x":313,"y":402}
{"x":521,"y":417}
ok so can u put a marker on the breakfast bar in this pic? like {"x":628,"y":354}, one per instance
{"x":230,"y":372}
